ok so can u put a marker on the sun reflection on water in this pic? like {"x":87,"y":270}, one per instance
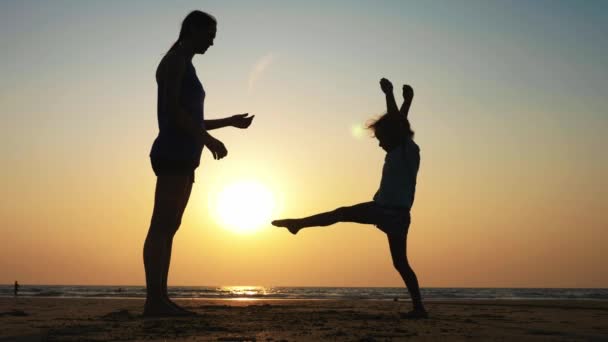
{"x":244,"y":292}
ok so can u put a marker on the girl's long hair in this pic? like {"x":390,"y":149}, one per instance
{"x":394,"y":123}
{"x":195,"y":19}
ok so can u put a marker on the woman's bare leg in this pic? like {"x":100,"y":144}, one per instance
{"x":398,"y":246}
{"x":157,"y":248}
{"x":167,"y":262}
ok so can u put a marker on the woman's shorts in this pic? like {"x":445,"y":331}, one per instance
{"x":173,"y":168}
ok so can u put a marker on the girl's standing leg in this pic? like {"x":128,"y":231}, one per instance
{"x":398,"y":246}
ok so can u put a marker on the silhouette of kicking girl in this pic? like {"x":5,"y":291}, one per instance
{"x":176,"y":152}
{"x":390,"y":208}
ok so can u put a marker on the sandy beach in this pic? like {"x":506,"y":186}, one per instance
{"x":77,"y":319}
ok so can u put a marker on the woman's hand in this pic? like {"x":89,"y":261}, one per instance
{"x":386,"y":86}
{"x":241,"y":120}
{"x":217,"y":148}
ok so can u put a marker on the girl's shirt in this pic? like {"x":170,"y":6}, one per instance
{"x":398,"y":183}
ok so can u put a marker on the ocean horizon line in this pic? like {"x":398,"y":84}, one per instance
{"x":320,"y":286}
{"x":303,"y":292}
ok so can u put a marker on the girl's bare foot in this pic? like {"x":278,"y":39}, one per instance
{"x":291,"y":224}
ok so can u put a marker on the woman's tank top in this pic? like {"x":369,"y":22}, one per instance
{"x":172,"y":143}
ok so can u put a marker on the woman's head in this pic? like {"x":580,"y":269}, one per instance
{"x":390,"y":130}
{"x":198,"y":30}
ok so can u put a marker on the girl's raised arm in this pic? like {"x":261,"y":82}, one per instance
{"x":408,"y":96}
{"x":387,"y":89}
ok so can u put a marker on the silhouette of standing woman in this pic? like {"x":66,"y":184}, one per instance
{"x":176,"y":152}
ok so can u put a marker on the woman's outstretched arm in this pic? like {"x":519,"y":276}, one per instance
{"x":238,"y":121}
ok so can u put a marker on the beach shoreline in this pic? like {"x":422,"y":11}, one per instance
{"x":104,"y":319}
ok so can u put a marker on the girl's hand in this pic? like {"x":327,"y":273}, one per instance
{"x":408,"y":93}
{"x":241,"y":120}
{"x":386,"y":86}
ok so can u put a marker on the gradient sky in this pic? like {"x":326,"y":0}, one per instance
{"x":510,"y":112}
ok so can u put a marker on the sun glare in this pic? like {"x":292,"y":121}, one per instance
{"x":244,"y":207}
{"x":358,"y":131}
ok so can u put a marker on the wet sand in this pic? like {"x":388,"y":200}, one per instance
{"x":77,"y":319}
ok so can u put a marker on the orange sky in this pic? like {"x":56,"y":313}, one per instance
{"x":511,"y":121}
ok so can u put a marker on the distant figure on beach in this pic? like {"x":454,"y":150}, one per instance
{"x":176,"y":152}
{"x":390,"y":208}
{"x":16,"y":289}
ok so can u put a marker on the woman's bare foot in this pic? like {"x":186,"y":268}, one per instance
{"x":415,"y":314}
{"x":164,"y":308}
{"x":156,"y":308}
{"x":292,"y":225}
{"x":185,"y":311}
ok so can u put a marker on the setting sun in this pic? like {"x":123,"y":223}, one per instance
{"x":244,"y":206}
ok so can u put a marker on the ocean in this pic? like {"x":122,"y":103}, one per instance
{"x":262,"y":292}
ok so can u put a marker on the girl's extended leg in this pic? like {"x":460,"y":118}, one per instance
{"x":398,"y":246}
{"x":167,"y":200}
{"x":366,"y":213}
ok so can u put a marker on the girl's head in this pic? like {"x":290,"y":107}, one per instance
{"x":391,"y":130}
{"x":198,"y":29}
